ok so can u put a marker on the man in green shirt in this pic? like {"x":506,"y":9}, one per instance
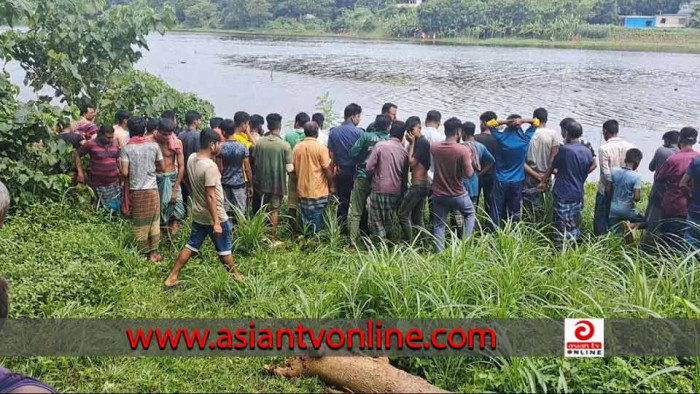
{"x":360,"y":153}
{"x":293,"y":137}
{"x":273,"y":161}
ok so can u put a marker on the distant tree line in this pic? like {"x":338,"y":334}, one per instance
{"x":481,"y":18}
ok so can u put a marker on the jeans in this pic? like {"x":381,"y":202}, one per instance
{"x":344,"y":181}
{"x":442,"y":206}
{"x":507,"y":199}
{"x":692,"y":232}
{"x":486,"y":184}
{"x":533,"y":200}
{"x":601,"y":216}
{"x":358,"y":204}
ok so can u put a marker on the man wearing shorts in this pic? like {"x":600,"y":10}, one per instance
{"x":209,"y":217}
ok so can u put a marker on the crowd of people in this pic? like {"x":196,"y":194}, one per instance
{"x":155,"y":171}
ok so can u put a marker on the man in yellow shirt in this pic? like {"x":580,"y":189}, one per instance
{"x":312,"y":165}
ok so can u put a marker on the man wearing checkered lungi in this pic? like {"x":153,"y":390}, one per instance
{"x":573,"y":164}
{"x":388,"y":167}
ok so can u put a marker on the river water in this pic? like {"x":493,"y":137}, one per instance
{"x":649,"y":93}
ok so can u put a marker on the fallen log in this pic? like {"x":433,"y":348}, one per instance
{"x":356,"y":375}
{"x":4,"y":203}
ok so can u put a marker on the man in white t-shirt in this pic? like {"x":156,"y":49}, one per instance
{"x":431,"y":132}
{"x":544,"y":146}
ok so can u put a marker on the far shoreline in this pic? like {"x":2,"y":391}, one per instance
{"x":594,"y":45}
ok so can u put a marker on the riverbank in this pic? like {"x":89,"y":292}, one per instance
{"x":686,"y":41}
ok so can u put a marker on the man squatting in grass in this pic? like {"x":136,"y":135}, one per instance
{"x":9,"y":382}
{"x":273,"y":161}
{"x":312,"y":169}
{"x":140,"y":159}
{"x":627,"y":191}
{"x":209,"y":217}
{"x":169,"y":178}
{"x":388,"y":167}
{"x":573,"y":162}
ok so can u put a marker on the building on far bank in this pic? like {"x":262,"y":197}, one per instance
{"x":410,"y":3}
{"x":663,"y":21}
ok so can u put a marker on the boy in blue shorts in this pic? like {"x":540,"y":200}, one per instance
{"x":627,"y":191}
{"x":209,"y":218}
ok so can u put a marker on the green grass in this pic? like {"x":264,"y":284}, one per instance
{"x":72,"y":263}
{"x":680,"y":41}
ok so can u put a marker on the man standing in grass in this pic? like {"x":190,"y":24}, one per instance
{"x":190,"y":145}
{"x":241,"y":122}
{"x":237,"y":173}
{"x":312,"y":164}
{"x":293,"y":137}
{"x":654,"y":212}
{"x":273,"y":161}
{"x":172,"y":206}
{"x":388,"y":109}
{"x":452,"y":163}
{"x":103,"y":175}
{"x":572,"y":164}
{"x":610,"y":155}
{"x":411,"y":213}
{"x":340,"y":140}
{"x":487,"y":177}
{"x":209,"y":217}
{"x":542,"y":150}
{"x":691,"y":181}
{"x":513,"y":145}
{"x":140,"y":159}
{"x":388,"y":167}
{"x":627,"y":191}
{"x":360,"y":153}
{"x":675,"y":201}
{"x":482,"y":161}
{"x":121,"y":134}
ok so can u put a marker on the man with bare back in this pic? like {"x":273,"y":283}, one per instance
{"x":172,"y":207}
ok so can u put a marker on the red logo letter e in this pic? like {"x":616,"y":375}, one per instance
{"x":584,"y":330}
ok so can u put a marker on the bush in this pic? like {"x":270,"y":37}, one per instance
{"x":147,"y":95}
{"x":357,"y":20}
{"x":290,"y":25}
{"x":404,"y":24}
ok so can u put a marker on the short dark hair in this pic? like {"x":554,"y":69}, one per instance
{"x":191,"y":117}
{"x":274,"y":121}
{"x":319,"y":118}
{"x":206,"y":137}
{"x":167,"y":126}
{"x":105,"y":129}
{"x":84,"y":107}
{"x":452,"y":127}
{"x":433,"y":116}
{"x":412,"y":122}
{"x":382,"y":122}
{"x":468,"y":129}
{"x":573,"y":129}
{"x":240,"y":118}
{"x":611,"y":127}
{"x":514,"y":116}
{"x":387,"y":107}
{"x":488,"y":115}
{"x":122,"y":116}
{"x":672,"y":137}
{"x":564,"y":122}
{"x":301,"y":119}
{"x":689,"y":136}
{"x":4,"y":299}
{"x":398,"y":129}
{"x":541,"y":114}
{"x":215,"y":122}
{"x":137,"y":126}
{"x":352,"y":110}
{"x":168,"y":114}
{"x":311,"y":129}
{"x":153,"y":124}
{"x":633,"y":155}
{"x":256,"y":122}
{"x":228,"y":127}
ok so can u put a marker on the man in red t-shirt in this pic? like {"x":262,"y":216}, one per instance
{"x":452,"y":163}
{"x":103,"y":170}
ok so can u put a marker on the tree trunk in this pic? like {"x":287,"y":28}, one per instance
{"x":356,"y":374}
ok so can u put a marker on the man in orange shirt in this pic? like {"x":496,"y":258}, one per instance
{"x":312,"y":164}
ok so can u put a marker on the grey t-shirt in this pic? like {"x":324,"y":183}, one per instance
{"x":660,"y":157}
{"x":142,"y":160}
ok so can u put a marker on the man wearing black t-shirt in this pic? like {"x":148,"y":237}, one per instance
{"x":486,"y":179}
{"x":413,"y":204}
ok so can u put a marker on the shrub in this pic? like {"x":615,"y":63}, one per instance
{"x":404,"y":24}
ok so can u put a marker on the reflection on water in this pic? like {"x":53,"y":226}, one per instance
{"x":648,"y":93}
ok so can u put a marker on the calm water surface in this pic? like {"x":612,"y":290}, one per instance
{"x":648,"y":93}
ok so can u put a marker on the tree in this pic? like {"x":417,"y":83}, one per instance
{"x":299,"y":8}
{"x":75,"y":47}
{"x":245,"y":13}
{"x":605,"y":12}
{"x":695,"y":17}
{"x":202,"y":13}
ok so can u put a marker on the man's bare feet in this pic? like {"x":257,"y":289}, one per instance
{"x":237,"y":276}
{"x":155,"y":257}
{"x":629,"y":235}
